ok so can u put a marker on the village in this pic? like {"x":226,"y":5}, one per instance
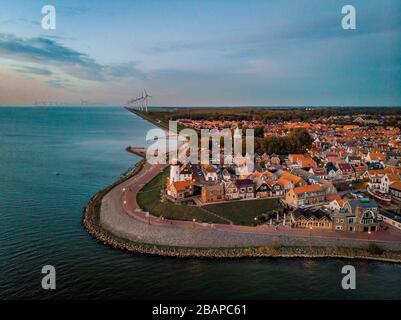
{"x":348,"y":179}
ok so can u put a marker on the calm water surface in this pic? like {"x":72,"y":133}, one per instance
{"x":52,"y":160}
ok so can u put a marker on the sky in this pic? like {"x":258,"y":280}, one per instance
{"x":201,"y":53}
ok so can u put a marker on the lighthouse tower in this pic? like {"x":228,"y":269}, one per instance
{"x":174,"y":172}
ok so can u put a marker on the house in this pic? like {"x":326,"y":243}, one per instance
{"x":320,"y":173}
{"x":352,"y":159}
{"x":307,"y":196}
{"x":212,"y":193}
{"x":180,"y":189}
{"x":375,"y":157}
{"x":393,"y":155}
{"x":294,"y":179}
{"x":395,"y":191}
{"x":395,"y":163}
{"x":226,"y":175}
{"x":302,"y":161}
{"x":311,"y":219}
{"x":359,"y":170}
{"x":285,"y":184}
{"x":346,"y":171}
{"x":357,"y":216}
{"x":246,"y":188}
{"x":230,"y":190}
{"x":262,"y":189}
{"x":332,"y":172}
{"x":390,"y":218}
{"x":275,"y":187}
{"x":185,"y":172}
{"x":375,"y":177}
{"x":209,"y":172}
{"x":335,"y":202}
{"x":328,"y":187}
{"x":387,"y":180}
{"x":334,"y":159}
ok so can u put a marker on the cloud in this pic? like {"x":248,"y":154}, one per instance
{"x":42,"y":50}
{"x":34,"y":70}
{"x":301,"y":25}
{"x":59,"y":83}
{"x":69,"y":11}
{"x":20,"y":21}
{"x":122,"y":70}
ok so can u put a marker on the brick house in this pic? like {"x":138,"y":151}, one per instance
{"x":356,"y":216}
{"x":181,"y":189}
{"x":315,"y":219}
{"x":212,"y":193}
{"x":307,"y":196}
{"x":246,"y":188}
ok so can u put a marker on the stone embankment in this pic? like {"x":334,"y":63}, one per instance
{"x":277,"y":248}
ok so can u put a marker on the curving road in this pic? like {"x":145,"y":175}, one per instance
{"x":121,"y":215}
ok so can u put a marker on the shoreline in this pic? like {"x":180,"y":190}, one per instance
{"x":91,"y":222}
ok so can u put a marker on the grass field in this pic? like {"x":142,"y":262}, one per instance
{"x":244,"y":212}
{"x":239,"y":212}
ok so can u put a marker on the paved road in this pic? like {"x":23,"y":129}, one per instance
{"x":121,"y":215}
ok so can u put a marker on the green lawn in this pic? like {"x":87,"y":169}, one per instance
{"x":244,"y":212}
{"x":239,"y":212}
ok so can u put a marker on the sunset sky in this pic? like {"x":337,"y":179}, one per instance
{"x":201,"y":52}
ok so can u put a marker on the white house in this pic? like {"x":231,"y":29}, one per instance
{"x":209,"y":172}
{"x":387,"y":180}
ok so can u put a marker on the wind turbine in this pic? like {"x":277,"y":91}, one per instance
{"x":146,"y":99}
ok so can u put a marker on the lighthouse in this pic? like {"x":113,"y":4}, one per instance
{"x":174,"y":171}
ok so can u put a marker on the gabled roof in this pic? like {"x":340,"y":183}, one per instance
{"x":306,"y":189}
{"x":186,"y":169}
{"x":259,"y":182}
{"x":209,"y":168}
{"x":310,"y":214}
{"x":291,"y":177}
{"x":182,"y":185}
{"x":393,"y":177}
{"x":344,"y":167}
{"x":283,"y":182}
{"x":244,"y":183}
{"x":377,"y":156}
{"x":396,"y":186}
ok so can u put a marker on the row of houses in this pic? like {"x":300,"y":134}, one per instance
{"x":213,"y":183}
{"x":356,"y":215}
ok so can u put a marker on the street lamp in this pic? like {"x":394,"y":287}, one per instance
{"x":193,"y":222}
{"x":369,"y":233}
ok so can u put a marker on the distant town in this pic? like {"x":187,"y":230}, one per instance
{"x":343,"y":177}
